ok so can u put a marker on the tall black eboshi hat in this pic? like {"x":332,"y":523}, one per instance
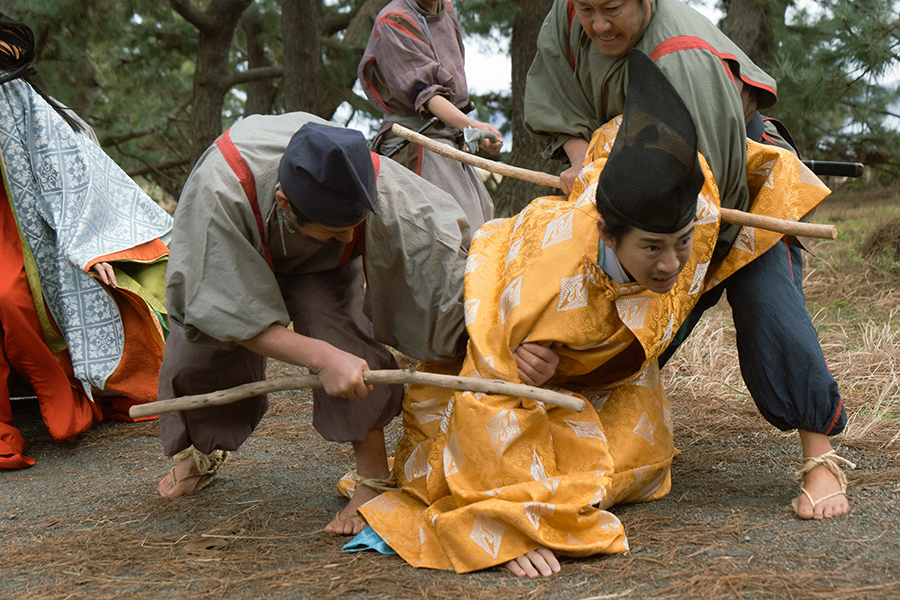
{"x":652,"y":177}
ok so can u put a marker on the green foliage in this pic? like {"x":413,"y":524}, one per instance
{"x":126,"y":67}
{"x":830,"y":63}
{"x":489,"y":18}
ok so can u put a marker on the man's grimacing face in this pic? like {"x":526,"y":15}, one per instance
{"x":614,"y":26}
{"x":655,"y":260}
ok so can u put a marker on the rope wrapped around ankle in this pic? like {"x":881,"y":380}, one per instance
{"x":207,"y":464}
{"x":379,"y":485}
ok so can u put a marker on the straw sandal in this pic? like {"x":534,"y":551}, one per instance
{"x":208,"y":466}
{"x":829,"y":460}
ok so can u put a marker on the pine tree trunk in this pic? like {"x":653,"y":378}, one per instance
{"x":261,"y":94}
{"x":751,"y":24}
{"x":512,"y":195}
{"x":216,"y":28}
{"x":302,"y":55}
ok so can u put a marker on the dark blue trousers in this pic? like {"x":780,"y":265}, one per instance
{"x":780,"y":357}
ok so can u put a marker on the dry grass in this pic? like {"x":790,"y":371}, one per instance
{"x":853,"y":295}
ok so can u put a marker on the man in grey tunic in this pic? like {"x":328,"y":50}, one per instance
{"x":413,"y":68}
{"x":271,"y":229}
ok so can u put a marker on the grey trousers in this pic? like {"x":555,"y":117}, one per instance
{"x":326,"y":306}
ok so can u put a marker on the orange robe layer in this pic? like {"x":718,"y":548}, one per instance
{"x":65,"y":407}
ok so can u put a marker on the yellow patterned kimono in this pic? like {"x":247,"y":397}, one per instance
{"x":486,"y":478}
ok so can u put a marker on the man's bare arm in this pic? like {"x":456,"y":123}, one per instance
{"x":444,"y":110}
{"x":341,"y":372}
{"x":576,"y":149}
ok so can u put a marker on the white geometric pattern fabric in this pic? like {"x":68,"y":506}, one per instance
{"x":632,"y":311}
{"x":645,"y":428}
{"x":452,"y":455}
{"x":445,"y":417}
{"x":648,"y":377}
{"x":427,"y":411}
{"x":597,"y":399}
{"x":767,"y":170}
{"x":384,"y":503}
{"x":707,"y":212}
{"x":473,"y":262}
{"x":535,"y":510}
{"x":551,"y":484}
{"x":503,"y":429}
{"x":582,"y":177}
{"x":746,"y":240}
{"x":471,"y":310}
{"x":513,"y":250}
{"x":559,"y":230}
{"x":588,"y":196}
{"x":488,"y":534}
{"x":510,"y":298}
{"x":600,"y":496}
{"x":572,"y":292}
{"x":670,"y":326}
{"x":537,"y":467}
{"x":73,"y":204}
{"x":807,"y":176}
{"x":487,"y":364}
{"x":416,"y":465}
{"x":584,"y":429}
{"x":697,"y":281}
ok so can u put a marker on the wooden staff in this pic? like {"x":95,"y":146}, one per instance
{"x":281,"y":384}
{"x":729,"y":215}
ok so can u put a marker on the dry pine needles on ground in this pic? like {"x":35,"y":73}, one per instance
{"x":86,"y":521}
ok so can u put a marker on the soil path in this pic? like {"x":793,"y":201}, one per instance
{"x":86,"y":522}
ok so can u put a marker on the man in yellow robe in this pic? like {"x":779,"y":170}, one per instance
{"x":488,"y":479}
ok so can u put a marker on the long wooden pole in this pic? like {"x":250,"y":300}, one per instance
{"x":729,"y":215}
{"x":281,"y":384}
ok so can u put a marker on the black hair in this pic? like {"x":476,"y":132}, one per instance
{"x":610,"y":225}
{"x":16,"y":55}
{"x":301,"y":219}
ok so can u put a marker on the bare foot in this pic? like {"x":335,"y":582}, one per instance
{"x":537,"y":563}
{"x":181,"y":480}
{"x":820,"y":482}
{"x":371,"y":463}
{"x":347,"y":521}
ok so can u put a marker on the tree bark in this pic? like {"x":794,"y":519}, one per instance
{"x":216,"y":27}
{"x":302,"y":55}
{"x":261,"y":93}
{"x":512,"y":194}
{"x":305,"y":45}
{"x":751,"y":24}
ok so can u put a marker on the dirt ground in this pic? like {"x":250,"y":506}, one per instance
{"x":86,"y":521}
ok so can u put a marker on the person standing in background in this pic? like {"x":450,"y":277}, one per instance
{"x":413,"y":69}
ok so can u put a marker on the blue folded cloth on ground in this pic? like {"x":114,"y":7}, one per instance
{"x":367,"y":539}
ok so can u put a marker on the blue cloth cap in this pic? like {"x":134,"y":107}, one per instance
{"x":327,"y":175}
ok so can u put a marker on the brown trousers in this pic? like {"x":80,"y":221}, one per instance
{"x":326,"y":306}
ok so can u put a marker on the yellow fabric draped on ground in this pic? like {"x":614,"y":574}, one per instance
{"x":486,"y":478}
